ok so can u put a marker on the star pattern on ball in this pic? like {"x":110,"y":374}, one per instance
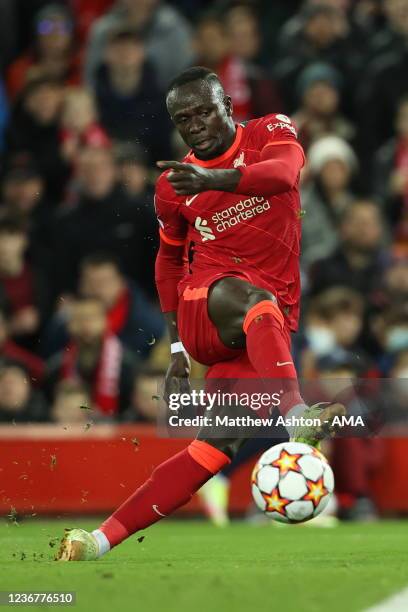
{"x":315,"y":491}
{"x":254,"y":476}
{"x":287,"y":462}
{"x":274,"y":502}
{"x":319,"y":455}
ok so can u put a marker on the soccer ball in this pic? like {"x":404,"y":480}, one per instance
{"x":292,"y":482}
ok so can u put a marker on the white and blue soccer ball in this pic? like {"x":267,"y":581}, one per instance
{"x":292,"y":482}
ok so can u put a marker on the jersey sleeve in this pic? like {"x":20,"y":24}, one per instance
{"x":171,"y":265}
{"x":274,"y":130}
{"x":172,"y":225}
{"x":281,"y":158}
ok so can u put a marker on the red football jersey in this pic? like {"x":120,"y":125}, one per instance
{"x":229,"y":231}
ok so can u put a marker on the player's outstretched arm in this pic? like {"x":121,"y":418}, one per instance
{"x":276,"y":173}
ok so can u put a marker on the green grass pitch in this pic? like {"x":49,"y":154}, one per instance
{"x":183,"y":566}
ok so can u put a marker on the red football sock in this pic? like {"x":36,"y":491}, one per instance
{"x":170,"y":486}
{"x":268,"y":348}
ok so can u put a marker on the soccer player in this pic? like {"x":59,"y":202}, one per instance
{"x":234,"y":202}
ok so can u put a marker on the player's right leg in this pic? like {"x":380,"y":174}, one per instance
{"x":171,"y":485}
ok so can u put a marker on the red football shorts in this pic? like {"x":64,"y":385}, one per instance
{"x":199,"y":334}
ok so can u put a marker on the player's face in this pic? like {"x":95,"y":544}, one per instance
{"x":202,"y":114}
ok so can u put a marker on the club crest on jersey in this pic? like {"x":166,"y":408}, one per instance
{"x":206,"y":232}
{"x":283,"y":118}
{"x":239,"y":161}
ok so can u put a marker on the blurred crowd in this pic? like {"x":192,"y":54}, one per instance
{"x":82,"y":122}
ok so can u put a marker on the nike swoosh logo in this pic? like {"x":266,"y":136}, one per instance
{"x":189,"y":200}
{"x":155,"y":508}
{"x":279,"y":363}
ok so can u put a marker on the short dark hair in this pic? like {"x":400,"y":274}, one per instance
{"x":196,"y":73}
{"x":84,"y":299}
{"x":101,"y":258}
{"x":125,"y":34}
{"x":13,"y":224}
{"x":357,"y":203}
{"x":336,"y":300}
{"x":36,"y":83}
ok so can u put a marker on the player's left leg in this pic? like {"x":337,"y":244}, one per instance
{"x":248,"y":316}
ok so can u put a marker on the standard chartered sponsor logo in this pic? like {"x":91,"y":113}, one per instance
{"x":242,"y":211}
{"x":205,"y":231}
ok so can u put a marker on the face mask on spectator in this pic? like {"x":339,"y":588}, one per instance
{"x":397,"y":339}
{"x":321,"y":340}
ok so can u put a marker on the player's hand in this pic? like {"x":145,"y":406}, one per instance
{"x":177,"y":375}
{"x":189,"y":179}
{"x":186,"y":179}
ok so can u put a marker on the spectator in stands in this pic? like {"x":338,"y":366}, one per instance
{"x":71,"y":403}
{"x":318,"y":88}
{"x":358,"y":261}
{"x":130,"y":315}
{"x":291,"y":30}
{"x":53,"y":54}
{"x":19,"y":403}
{"x":166,"y":34}
{"x":389,"y":295}
{"x":392,"y":37}
{"x":243,"y":32}
{"x":23,"y":196}
{"x":390,"y":178}
{"x":102,"y":220}
{"x":134,"y":177}
{"x":323,"y":36}
{"x":395,"y":283}
{"x":354,"y":460}
{"x":130,"y":104}
{"x":332,"y":164}
{"x":337,"y":315}
{"x":95,"y":357}
{"x":133,"y":173}
{"x":10,"y":351}
{"x":24,"y":284}
{"x":34,"y":130}
{"x":381,"y":90}
{"x":145,"y":403}
{"x":253,"y":94}
{"x":22,"y":190}
{"x":333,"y":321}
{"x":79,"y":124}
{"x":391,"y":330}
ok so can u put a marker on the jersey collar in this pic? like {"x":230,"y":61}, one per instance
{"x":221,"y":158}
